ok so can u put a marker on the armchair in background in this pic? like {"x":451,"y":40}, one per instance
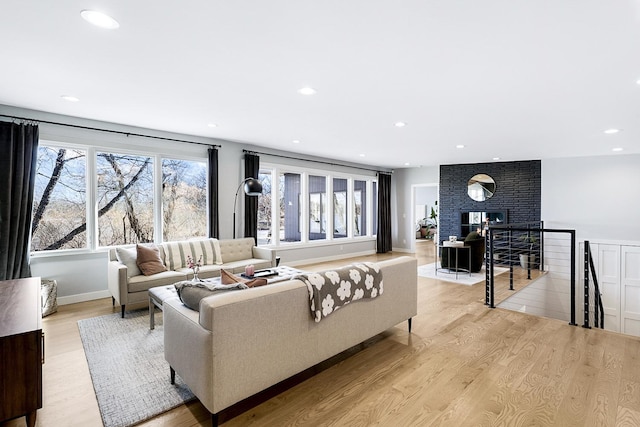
{"x":477,"y":244}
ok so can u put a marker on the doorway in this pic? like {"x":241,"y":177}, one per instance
{"x":424,"y":214}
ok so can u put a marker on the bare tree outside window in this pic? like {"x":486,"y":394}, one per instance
{"x":125,"y":198}
{"x":360,"y":208}
{"x":184,"y":199}
{"x":264,"y":208}
{"x":59,"y":207}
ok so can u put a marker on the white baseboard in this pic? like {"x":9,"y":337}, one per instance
{"x":89,"y":296}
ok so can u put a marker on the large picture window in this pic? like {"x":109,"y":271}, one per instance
{"x":290,"y":209}
{"x":265,"y":208}
{"x":125,"y":199}
{"x":339,"y":207}
{"x":360,"y":208}
{"x":117,"y":200}
{"x":59,"y":208}
{"x":317,"y":207}
{"x":184,"y":199}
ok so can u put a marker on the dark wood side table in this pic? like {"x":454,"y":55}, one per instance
{"x":21,"y":349}
{"x":456,"y":247}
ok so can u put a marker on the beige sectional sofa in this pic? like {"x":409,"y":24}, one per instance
{"x":243,"y":342}
{"x":129,"y":286}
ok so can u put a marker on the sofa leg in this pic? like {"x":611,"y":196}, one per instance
{"x":173,"y":375}
{"x":122,"y":308}
{"x":409,"y":321}
{"x":214,"y":420}
{"x":113,"y":301}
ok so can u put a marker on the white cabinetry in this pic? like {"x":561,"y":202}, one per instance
{"x":630,"y":295}
{"x":618,"y":273}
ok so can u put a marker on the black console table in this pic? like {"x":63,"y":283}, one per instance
{"x":21,"y":349}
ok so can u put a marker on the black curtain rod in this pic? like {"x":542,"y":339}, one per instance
{"x":316,"y":161}
{"x":109,"y":130}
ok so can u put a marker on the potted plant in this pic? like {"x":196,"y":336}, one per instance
{"x":528,"y":259}
{"x":433,"y":220}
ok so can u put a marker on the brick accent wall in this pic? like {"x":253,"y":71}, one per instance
{"x":518,"y":193}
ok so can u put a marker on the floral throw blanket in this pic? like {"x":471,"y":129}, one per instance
{"x":332,"y":289}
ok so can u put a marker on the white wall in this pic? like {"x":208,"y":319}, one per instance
{"x":425,"y":197}
{"x":596,"y":196}
{"x":404,"y":181}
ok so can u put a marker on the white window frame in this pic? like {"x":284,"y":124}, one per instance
{"x":277,"y":169}
{"x":91,"y":183}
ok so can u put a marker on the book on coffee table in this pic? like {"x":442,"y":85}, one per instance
{"x":261,"y":273}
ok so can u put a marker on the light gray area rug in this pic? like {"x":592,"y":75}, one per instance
{"x":128,"y":370}
{"x":428,"y":270}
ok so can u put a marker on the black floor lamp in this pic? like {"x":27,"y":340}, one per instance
{"x":252,"y":187}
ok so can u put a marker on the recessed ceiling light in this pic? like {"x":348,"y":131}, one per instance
{"x":307,"y":91}
{"x":296,"y":141}
{"x":496,"y":158}
{"x":400,"y":124}
{"x":611,"y":131}
{"x":361,"y":154}
{"x":212,"y":125}
{"x":407,"y":164}
{"x":69,"y":98}
{"x":99,"y":19}
{"x":460,"y":146}
{"x":617,"y":149}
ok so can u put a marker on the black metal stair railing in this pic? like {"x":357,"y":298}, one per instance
{"x":524,"y":245}
{"x":506,"y":244}
{"x":598,"y":307}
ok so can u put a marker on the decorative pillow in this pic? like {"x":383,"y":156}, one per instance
{"x":175,"y":253}
{"x":227,"y":278}
{"x":149,"y":260}
{"x":218,"y":252}
{"x":128,"y":257}
{"x":191,"y":292}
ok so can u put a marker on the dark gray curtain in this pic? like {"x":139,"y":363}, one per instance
{"x":251,"y":170}
{"x":18,"y":156}
{"x":214,"y":222}
{"x":383,"y":240}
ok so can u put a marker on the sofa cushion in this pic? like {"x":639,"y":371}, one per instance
{"x":238,"y":266}
{"x":237,"y":249}
{"x":191,"y":292}
{"x":129,"y":257}
{"x":175,"y":253}
{"x":149,"y":261}
{"x":143,"y":283}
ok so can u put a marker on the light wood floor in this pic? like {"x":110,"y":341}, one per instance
{"x":463,"y":365}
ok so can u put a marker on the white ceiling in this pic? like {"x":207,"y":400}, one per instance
{"x":514,"y":79}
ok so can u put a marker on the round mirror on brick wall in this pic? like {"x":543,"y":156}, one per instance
{"x":481,"y":187}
